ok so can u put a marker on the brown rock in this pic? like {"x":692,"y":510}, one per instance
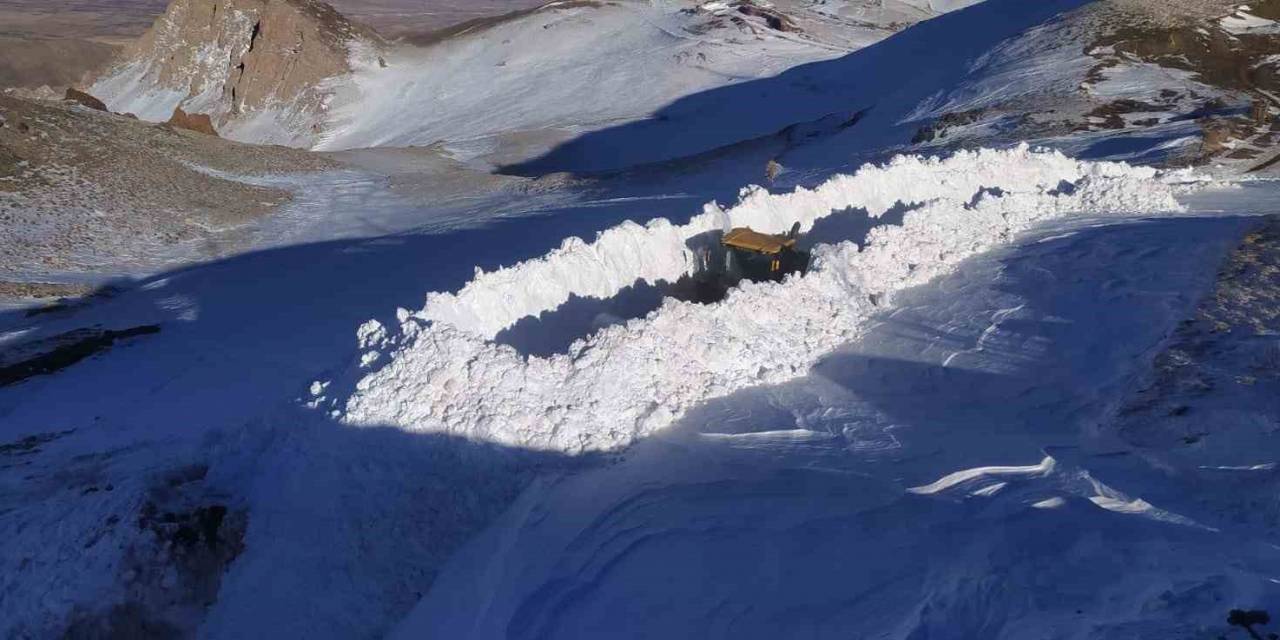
{"x":775,"y":20}
{"x":270,"y":53}
{"x":82,"y":98}
{"x":198,"y":122}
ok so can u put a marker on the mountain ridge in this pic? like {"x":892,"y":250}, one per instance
{"x":244,"y":63}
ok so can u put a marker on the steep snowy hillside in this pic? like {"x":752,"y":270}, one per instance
{"x":532,"y":79}
{"x":570,"y":67}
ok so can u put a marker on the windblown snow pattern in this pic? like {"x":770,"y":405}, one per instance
{"x":442,"y":373}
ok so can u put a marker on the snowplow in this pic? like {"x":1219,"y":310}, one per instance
{"x":761,"y":256}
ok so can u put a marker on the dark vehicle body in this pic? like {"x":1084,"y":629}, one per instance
{"x":756,"y":256}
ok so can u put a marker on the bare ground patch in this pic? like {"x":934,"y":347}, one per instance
{"x":59,"y":352}
{"x":81,"y":189}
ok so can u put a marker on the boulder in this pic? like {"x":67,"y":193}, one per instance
{"x":197,"y":122}
{"x":82,"y":98}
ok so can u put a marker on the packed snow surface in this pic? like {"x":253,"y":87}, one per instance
{"x":440,"y":372}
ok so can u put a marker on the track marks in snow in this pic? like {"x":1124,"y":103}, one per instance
{"x":987,"y":334}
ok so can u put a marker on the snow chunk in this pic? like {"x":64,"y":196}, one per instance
{"x":371,"y":334}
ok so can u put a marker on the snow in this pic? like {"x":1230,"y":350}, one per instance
{"x":992,"y":511}
{"x":528,"y":82}
{"x":1144,"y":81}
{"x":135,"y":87}
{"x":574,"y":68}
{"x":944,"y":6}
{"x":1045,"y":60}
{"x":130,"y":90}
{"x":1242,"y":22}
{"x":440,"y":374}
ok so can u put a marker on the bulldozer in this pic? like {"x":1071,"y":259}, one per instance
{"x":759,"y":256}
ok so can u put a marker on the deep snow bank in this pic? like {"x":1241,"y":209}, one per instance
{"x":440,"y":373}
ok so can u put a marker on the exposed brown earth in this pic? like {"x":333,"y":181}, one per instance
{"x":39,"y":290}
{"x":1170,"y":13}
{"x":79,"y":187}
{"x":940,"y":126}
{"x":1223,"y":85}
{"x":121,"y":21}
{"x":112,"y":21}
{"x":428,"y":37}
{"x":773,"y":19}
{"x":56,"y":62}
{"x":59,"y":44}
{"x":1187,"y":35}
{"x":62,"y":351}
{"x":83,"y":99}
{"x":1227,"y":349}
{"x":419,"y":21}
{"x":1221,"y":58}
{"x":191,"y":534}
{"x":197,"y":122}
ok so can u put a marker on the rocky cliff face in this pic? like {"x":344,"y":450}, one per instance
{"x":263,"y":70}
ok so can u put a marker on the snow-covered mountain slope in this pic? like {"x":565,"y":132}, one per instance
{"x":584,"y":86}
{"x":1155,"y":82}
{"x":870,"y":99}
{"x":536,"y":78}
{"x":569,"y":67}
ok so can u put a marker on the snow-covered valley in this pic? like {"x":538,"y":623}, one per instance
{"x":464,"y":390}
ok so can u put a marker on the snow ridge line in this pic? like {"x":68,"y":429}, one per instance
{"x":629,"y":380}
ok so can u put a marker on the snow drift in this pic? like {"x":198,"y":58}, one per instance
{"x":440,"y":372}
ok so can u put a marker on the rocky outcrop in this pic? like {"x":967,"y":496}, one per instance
{"x":197,"y":122}
{"x":84,"y":99}
{"x":262,"y":70}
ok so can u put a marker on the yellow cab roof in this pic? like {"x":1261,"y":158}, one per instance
{"x":744,"y":238}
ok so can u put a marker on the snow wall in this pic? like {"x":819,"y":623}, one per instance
{"x":441,"y":371}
